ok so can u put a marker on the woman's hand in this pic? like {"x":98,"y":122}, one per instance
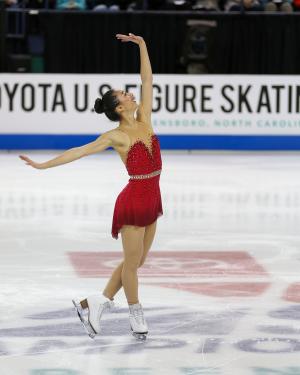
{"x":31,"y":162}
{"x":130,"y":38}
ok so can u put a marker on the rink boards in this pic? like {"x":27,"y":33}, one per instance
{"x":194,"y":112}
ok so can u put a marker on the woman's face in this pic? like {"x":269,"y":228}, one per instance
{"x":126,"y":99}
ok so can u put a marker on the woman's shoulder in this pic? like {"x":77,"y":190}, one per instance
{"x":118,"y":137}
{"x":120,"y":140}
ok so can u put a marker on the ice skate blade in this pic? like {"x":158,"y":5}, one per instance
{"x":139,"y":335}
{"x":88,"y":328}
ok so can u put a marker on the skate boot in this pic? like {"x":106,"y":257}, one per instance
{"x":137,"y":320}
{"x":97,"y":304}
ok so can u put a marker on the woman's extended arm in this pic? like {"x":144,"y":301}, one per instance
{"x":100,"y":144}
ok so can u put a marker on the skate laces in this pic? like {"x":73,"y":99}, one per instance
{"x":138,"y":314}
{"x":107,"y":303}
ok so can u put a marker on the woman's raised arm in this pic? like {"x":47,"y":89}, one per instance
{"x":145,"y":71}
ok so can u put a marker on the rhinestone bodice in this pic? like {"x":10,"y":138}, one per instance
{"x":139,"y":203}
{"x":140,"y":160}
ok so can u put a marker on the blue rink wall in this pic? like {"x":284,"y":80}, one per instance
{"x":167,"y":142}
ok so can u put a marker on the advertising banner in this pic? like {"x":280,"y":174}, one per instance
{"x":199,"y":107}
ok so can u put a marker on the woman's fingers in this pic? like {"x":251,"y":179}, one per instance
{"x":30,"y":162}
{"x":122,"y":36}
{"x":23,"y":157}
{"x":124,"y":39}
{"x":129,"y":34}
{"x":130,"y":38}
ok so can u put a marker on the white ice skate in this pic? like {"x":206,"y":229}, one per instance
{"x":137,"y":320}
{"x":97,"y":303}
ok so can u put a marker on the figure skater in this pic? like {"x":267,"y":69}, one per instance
{"x":138,"y":205}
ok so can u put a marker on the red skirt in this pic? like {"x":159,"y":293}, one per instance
{"x":139,"y":203}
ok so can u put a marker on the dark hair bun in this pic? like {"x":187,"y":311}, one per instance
{"x":98,"y":106}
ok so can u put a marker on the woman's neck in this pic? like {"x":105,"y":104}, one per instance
{"x":128,"y":122}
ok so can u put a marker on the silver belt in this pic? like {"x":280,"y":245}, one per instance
{"x":140,"y":176}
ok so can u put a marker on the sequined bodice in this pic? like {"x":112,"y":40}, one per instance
{"x":142,"y":160}
{"x":139,"y":203}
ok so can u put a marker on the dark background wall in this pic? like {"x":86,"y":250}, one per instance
{"x":258,"y":44}
{"x":224,"y":43}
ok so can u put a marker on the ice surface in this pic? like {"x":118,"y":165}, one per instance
{"x":220,"y":287}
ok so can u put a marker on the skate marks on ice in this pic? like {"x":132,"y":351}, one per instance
{"x":211,"y":325}
{"x":195,"y":333}
{"x":229,"y":327}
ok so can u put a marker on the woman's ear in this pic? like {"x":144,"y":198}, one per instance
{"x":119,"y":109}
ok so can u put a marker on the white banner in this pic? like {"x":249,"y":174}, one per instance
{"x":182,"y":104}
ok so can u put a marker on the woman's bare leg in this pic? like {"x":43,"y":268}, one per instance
{"x":132,"y":239}
{"x":115,"y":282}
{"x":112,"y":287}
{"x":148,"y":239}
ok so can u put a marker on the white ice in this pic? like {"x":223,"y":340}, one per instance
{"x":220,"y":287}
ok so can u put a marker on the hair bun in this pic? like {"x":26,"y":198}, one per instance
{"x":98,"y":106}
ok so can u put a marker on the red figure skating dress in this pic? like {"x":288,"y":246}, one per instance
{"x":139,"y":203}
